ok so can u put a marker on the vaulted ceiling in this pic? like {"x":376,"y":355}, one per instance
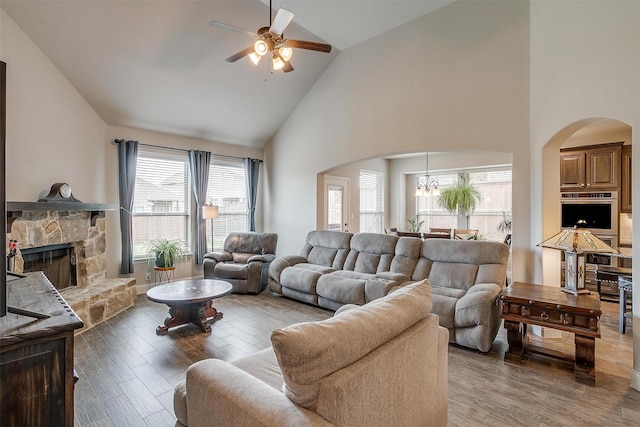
{"x":159,"y":65}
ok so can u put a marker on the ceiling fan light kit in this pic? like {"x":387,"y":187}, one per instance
{"x":271,"y":39}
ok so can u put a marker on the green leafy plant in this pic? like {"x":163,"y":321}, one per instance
{"x":415,"y":225}
{"x":504,"y":226}
{"x":166,"y":253}
{"x":462,"y":198}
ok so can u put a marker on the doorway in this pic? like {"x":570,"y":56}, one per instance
{"x":336,"y":202}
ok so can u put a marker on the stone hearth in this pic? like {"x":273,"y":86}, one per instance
{"x":95,"y":298}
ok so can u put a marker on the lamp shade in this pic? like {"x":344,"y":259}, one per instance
{"x":579,"y":240}
{"x":209,"y":212}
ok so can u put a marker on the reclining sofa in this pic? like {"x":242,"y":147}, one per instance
{"x":338,"y":268}
{"x":384,"y":363}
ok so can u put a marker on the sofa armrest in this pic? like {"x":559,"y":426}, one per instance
{"x":219,"y":256}
{"x":222,"y":393}
{"x":262,"y":258}
{"x":475,"y":307}
{"x":279,"y":264}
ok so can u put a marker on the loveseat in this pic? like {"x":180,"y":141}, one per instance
{"x":381,"y":364}
{"x":337,"y":268}
{"x":243,"y":261}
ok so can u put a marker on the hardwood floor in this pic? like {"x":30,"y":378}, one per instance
{"x":127,"y":372}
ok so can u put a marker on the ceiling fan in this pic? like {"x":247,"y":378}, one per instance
{"x":270,"y":40}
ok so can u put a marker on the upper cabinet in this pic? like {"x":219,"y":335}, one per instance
{"x":625,"y":188}
{"x":594,"y":167}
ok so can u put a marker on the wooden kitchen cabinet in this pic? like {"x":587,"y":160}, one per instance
{"x":595,"y":167}
{"x":626,"y":185}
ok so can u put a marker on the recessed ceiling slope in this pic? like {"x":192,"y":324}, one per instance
{"x":160,"y":65}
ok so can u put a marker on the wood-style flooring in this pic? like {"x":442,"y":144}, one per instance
{"x":127,"y":372}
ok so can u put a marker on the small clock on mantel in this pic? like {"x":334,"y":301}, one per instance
{"x":60,"y":192}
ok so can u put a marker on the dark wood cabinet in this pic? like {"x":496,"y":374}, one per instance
{"x":36,"y":356}
{"x":590,"y":168}
{"x":626,"y":185}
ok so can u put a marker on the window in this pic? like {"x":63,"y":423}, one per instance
{"x":495,"y":186}
{"x":429,"y":211}
{"x":227,"y":190}
{"x":161,"y":203}
{"x":371,"y":202}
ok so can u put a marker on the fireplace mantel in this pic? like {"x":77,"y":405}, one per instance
{"x":15,"y":209}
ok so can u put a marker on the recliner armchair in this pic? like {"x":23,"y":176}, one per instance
{"x":244,"y":261}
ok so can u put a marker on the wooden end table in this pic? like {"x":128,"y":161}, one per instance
{"x":529,"y":304}
{"x":189,"y":301}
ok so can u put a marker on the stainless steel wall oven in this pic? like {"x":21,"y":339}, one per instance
{"x":600,"y":211}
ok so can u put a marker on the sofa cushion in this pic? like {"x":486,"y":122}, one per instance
{"x":300,"y":279}
{"x":328,"y":248}
{"x":453,"y":275}
{"x":241,"y":257}
{"x":231,"y":271}
{"x":371,"y":252}
{"x":262,"y":365}
{"x":343,"y":290}
{"x":308,"y":352}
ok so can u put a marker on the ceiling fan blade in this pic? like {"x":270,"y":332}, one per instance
{"x":240,"y":55}
{"x":232,"y":28}
{"x":301,"y":44}
{"x":287,"y":67}
{"x":281,"y":21}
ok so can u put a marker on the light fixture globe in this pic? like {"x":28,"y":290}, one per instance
{"x":285,"y":53}
{"x":261,"y":47}
{"x":278,"y":63}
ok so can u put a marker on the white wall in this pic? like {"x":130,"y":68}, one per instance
{"x":456,"y":79}
{"x":584,"y":65}
{"x":53,"y":135}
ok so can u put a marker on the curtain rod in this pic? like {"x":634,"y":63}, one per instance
{"x":117,"y":141}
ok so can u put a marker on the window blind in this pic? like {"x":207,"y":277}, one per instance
{"x":227,"y":190}
{"x":161,"y":205}
{"x":371,"y":201}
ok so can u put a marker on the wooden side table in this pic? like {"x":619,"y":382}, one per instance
{"x":36,"y":356}
{"x":529,"y":304}
{"x":168,"y":274}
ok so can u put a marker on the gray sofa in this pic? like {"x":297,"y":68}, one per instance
{"x":244,"y":261}
{"x":384,"y":363}
{"x":337,"y":268}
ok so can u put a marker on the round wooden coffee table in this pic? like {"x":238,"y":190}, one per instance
{"x":189,"y":301}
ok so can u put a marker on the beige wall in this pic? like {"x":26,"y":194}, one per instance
{"x":584,"y":65}
{"x":456,"y":79}
{"x":53,"y":135}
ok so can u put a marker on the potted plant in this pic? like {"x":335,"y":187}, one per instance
{"x":504,"y":226}
{"x":460,"y":199}
{"x":415,"y":225}
{"x":166,"y":253}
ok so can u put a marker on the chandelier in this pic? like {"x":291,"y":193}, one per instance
{"x":427,"y":186}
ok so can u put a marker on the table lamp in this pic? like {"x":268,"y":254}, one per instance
{"x":210,"y":212}
{"x":575,"y":242}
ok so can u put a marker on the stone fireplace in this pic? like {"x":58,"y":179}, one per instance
{"x":44,"y":227}
{"x":41,"y":229}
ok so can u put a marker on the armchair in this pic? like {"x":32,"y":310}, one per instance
{"x":244,"y":261}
